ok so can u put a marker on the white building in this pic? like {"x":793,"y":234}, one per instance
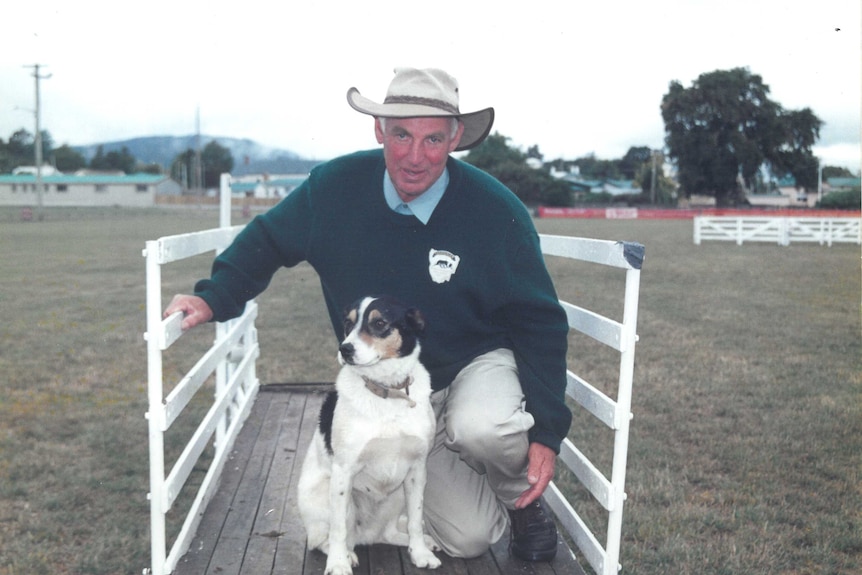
{"x":265,"y":185}
{"x":134,"y":190}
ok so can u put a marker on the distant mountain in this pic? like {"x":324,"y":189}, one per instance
{"x":249,"y":157}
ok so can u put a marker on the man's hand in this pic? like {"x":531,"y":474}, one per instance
{"x":195,"y":310}
{"x":540,"y":471}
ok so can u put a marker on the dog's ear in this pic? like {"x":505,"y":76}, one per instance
{"x":415,"y":320}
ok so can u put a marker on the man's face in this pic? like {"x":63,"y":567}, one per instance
{"x":415,"y":150}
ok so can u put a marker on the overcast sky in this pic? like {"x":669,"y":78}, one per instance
{"x":572,"y":77}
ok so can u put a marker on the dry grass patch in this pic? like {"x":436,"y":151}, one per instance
{"x":746,"y":442}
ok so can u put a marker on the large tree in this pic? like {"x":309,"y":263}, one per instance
{"x":216,"y":160}
{"x":632,"y":163}
{"x":19,"y":150}
{"x":121,"y":161}
{"x":724,"y":128}
{"x":509,"y":165}
{"x":67,"y":159}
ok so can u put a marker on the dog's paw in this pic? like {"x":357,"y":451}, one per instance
{"x":339,"y":565}
{"x":424,"y":558}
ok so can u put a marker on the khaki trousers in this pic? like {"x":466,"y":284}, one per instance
{"x":477,"y":467}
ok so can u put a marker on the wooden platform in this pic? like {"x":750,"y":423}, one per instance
{"x":251,"y":526}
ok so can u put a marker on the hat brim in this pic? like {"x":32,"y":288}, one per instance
{"x":477,"y":125}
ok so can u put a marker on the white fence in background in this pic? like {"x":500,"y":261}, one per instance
{"x":777,"y":230}
{"x":231,"y":358}
{"x":613,"y":413}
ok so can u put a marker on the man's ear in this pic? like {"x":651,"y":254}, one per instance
{"x":457,"y":139}
{"x":378,"y":130}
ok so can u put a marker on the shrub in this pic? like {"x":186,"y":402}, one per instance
{"x":850,"y":200}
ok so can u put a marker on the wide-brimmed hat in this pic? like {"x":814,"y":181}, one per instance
{"x":417,"y":93}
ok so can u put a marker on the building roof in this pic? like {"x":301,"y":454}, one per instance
{"x":844,"y":182}
{"x":89,"y":179}
{"x":279,"y":182}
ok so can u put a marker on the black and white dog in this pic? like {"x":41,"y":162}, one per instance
{"x":363,"y":479}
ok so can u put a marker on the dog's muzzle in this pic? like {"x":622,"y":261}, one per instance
{"x":346,"y":352}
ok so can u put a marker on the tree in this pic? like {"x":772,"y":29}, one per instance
{"x":122,"y":161}
{"x":21,"y":145}
{"x":593,"y":168}
{"x":216,"y":160}
{"x":183,"y":168}
{"x":650,"y":175}
{"x":724,"y":128}
{"x":836,"y":172}
{"x":849,"y":200}
{"x":20,"y":149}
{"x":632,"y":163}
{"x":509,"y":165}
{"x":533,"y":152}
{"x":67,"y":159}
{"x":494,"y":151}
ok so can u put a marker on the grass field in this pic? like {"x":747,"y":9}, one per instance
{"x":746,"y":447}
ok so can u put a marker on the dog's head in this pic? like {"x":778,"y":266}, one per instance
{"x":379,"y":328}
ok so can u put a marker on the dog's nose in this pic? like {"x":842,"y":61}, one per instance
{"x":346,"y":350}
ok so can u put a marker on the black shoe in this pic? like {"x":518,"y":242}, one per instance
{"x":534,"y":533}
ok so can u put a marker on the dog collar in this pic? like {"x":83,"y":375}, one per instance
{"x":395,"y":392}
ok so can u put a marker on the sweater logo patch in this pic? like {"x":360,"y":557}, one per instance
{"x":442,"y":265}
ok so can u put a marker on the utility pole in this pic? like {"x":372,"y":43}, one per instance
{"x":653,"y":153}
{"x":819,"y":180}
{"x":198,"y":168}
{"x":38,"y":145}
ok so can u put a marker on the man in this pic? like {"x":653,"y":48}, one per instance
{"x":412,"y":222}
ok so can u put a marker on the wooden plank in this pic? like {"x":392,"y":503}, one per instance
{"x":383,"y":559}
{"x":203,"y":545}
{"x":291,"y":545}
{"x":252,"y":525}
{"x":266,"y":534}
{"x":314,"y":563}
{"x":237,"y":502}
{"x":246,"y":505}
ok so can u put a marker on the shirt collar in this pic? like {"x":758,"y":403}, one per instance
{"x":423,"y":206}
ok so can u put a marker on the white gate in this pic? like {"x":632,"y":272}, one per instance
{"x":231,"y":358}
{"x":613,"y":413}
{"x":777,"y":230}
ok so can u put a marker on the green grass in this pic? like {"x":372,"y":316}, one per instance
{"x":746,"y":446}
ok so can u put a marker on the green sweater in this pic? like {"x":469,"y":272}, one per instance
{"x":500,"y":294}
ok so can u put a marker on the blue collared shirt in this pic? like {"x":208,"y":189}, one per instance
{"x":423,"y":206}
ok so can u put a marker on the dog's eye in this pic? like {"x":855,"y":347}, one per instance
{"x":348,"y":326}
{"x":380,"y":324}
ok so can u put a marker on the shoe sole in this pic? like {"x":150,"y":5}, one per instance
{"x":543,"y":555}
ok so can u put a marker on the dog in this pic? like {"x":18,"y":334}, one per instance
{"x":363,"y":478}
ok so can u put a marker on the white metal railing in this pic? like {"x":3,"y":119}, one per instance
{"x":613,"y":413}
{"x":231,"y":358}
{"x":778,"y":230}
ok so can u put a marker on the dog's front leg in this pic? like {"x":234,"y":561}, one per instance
{"x":414,"y":491}
{"x":341,"y":558}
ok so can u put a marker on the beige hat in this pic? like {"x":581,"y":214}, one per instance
{"x":420,"y":93}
